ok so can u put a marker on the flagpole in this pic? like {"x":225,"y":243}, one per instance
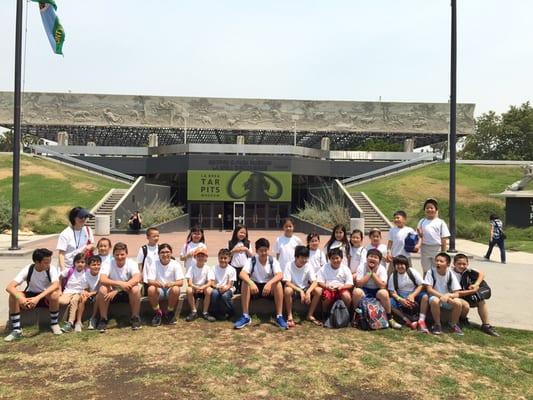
{"x":15,"y":204}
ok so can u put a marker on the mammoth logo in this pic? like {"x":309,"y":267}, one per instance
{"x":256,"y":188}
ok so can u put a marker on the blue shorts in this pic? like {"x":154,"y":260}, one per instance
{"x":418,"y":299}
{"x":444,"y":306}
{"x":163,"y":293}
{"x":371,"y":293}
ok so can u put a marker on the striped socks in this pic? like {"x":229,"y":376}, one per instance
{"x":15,"y":321}
{"x":54,"y":317}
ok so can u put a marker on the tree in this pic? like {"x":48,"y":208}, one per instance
{"x":502,"y":137}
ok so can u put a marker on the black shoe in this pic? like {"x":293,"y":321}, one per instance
{"x":208,"y":317}
{"x":489,"y":330}
{"x":135,"y":323}
{"x":169,"y":318}
{"x":191,"y":317}
{"x":156,"y":321}
{"x":464,"y":323}
{"x":102,"y":325}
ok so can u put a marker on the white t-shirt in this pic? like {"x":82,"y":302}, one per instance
{"x":187,"y":248}
{"x":77,"y":281}
{"x":39,"y":280}
{"x":433,"y":230}
{"x":335,"y":277}
{"x":71,"y":242}
{"x":262,"y":273}
{"x":124,"y":273}
{"x":238,"y":260}
{"x":357,"y":256}
{"x":224,"y":276}
{"x":397,"y":236}
{"x":299,"y":276}
{"x":105,"y":259}
{"x":371,"y":284}
{"x":339,"y":245}
{"x":284,"y":246}
{"x":152,"y":254}
{"x":382,"y":248}
{"x":92,"y":281}
{"x":200,"y":276}
{"x":405,"y":284}
{"x":317,"y":259}
{"x":156,"y":271}
{"x":441,"y":285}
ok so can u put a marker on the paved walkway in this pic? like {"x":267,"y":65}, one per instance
{"x":510,"y":283}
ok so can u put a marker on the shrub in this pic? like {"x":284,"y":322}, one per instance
{"x":5,"y":214}
{"x":325,"y":209}
{"x":48,"y":221}
{"x":158,"y":212}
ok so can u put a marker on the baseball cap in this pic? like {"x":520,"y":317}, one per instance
{"x":201,"y":250}
{"x":84,"y":213}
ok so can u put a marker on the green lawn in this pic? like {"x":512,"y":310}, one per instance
{"x":48,"y":190}
{"x":205,"y":360}
{"x":475,"y":184}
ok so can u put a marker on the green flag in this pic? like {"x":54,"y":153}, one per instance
{"x":52,"y":27}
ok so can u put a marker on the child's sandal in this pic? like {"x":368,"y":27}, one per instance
{"x":290,"y":323}
{"x":315,"y":321}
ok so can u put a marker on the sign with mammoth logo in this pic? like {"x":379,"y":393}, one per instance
{"x":244,"y":185}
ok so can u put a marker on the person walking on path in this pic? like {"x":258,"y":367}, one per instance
{"x":497,"y":237}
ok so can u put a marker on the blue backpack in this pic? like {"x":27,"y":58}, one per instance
{"x":410,"y":242}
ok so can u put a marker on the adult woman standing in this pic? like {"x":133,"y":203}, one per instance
{"x":76,"y":238}
{"x":497,"y":237}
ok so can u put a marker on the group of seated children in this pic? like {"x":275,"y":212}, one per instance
{"x":345,"y":271}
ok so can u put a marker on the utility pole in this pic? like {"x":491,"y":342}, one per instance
{"x":453,"y":125}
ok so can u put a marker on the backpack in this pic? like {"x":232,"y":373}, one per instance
{"x":30,"y":273}
{"x":448,"y":282}
{"x":468,"y":278}
{"x":254,"y":261}
{"x":410,"y":242}
{"x":370,"y":315}
{"x":64,"y":281}
{"x":145,"y":253}
{"x":409,"y":274}
{"x":339,"y":316}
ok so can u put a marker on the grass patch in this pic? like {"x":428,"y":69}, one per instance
{"x":48,"y":190}
{"x":206,"y":361}
{"x":475,"y":184}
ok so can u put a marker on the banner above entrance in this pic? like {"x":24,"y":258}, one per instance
{"x":257,"y":186}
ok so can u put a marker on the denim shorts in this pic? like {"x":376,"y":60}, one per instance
{"x":444,"y":306}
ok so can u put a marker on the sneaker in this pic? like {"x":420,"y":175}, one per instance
{"x":457,"y":330}
{"x":242,"y":322}
{"x":281,"y":322}
{"x":102,"y":325}
{"x":422,"y":327}
{"x":67,"y":327}
{"x":486,"y":258}
{"x":464,"y":323}
{"x":56,"y":329}
{"x":191,"y":317}
{"x":135,"y":323}
{"x":208,"y":317}
{"x":412,"y":324}
{"x":156,"y":321}
{"x":14,"y":335}
{"x":77,"y":327}
{"x":93,"y":323}
{"x":489,"y":330}
{"x":170,"y":318}
{"x":393,"y":324}
{"x":436,"y":330}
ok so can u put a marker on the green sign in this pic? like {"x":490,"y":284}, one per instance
{"x":259,"y":186}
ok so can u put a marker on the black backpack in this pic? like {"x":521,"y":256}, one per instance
{"x":468,"y":278}
{"x":30,"y":273}
{"x":339,"y":316}
{"x":409,"y":274}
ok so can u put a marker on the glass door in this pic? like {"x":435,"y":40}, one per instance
{"x":238,"y":213}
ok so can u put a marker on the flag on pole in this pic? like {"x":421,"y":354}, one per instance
{"x":52,"y":27}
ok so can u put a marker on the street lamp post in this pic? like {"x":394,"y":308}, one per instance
{"x":453,"y":124}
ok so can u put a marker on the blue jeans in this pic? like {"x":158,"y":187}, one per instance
{"x":499,"y":242}
{"x":221,"y":303}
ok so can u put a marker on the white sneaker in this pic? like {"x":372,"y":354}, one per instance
{"x":56,"y":329}
{"x":14,"y":335}
{"x":93,"y":323}
{"x":77,"y":327}
{"x":393,"y":324}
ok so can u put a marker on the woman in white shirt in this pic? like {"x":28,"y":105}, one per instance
{"x":77,"y":238}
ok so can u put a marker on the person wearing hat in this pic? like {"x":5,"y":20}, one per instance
{"x":200,"y":282}
{"x":76,"y":238}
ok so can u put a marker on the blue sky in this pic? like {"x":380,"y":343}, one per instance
{"x":338,"y":50}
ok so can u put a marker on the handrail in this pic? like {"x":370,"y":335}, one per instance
{"x":350,"y":198}
{"x":377,"y":209}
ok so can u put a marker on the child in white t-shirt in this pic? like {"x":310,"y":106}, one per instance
{"x":317,"y":258}
{"x":372,"y":282}
{"x":92,"y":284}
{"x":195,"y":240}
{"x":200,"y":280}
{"x":103,"y":246}
{"x":406,"y":288}
{"x":284,"y":246}
{"x":148,"y":253}
{"x":300,"y":283}
{"x":357,"y":251}
{"x":239,"y":246}
{"x":397,"y":236}
{"x":442,"y":288}
{"x":164,"y":278}
{"x":222,"y":293}
{"x":73,"y":282}
{"x":339,"y":240}
{"x":433,"y":235}
{"x":375,"y":243}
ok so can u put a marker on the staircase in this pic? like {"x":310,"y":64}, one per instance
{"x":105,"y":207}
{"x":374,"y":218}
